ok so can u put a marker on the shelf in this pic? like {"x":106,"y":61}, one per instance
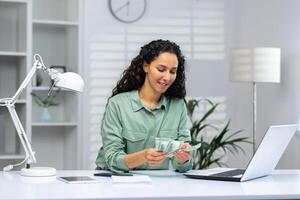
{"x":38,"y":124}
{"x":42,"y":88}
{"x":12,"y":157}
{"x":54,"y":23}
{"x":45,"y":88}
{"x":14,"y":1}
{"x":21,"y":101}
{"x":12,"y":53}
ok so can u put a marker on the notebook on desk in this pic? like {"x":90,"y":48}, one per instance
{"x":262,"y":163}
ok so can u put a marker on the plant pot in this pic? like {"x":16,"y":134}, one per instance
{"x":45,"y":115}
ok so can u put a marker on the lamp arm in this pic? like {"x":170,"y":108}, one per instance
{"x":36,"y":65}
{"x":21,"y":133}
{"x":10,"y":104}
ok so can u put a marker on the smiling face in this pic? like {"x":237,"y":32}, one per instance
{"x":161,"y":73}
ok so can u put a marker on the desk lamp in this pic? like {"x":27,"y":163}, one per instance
{"x":255,"y":65}
{"x":69,"y":81}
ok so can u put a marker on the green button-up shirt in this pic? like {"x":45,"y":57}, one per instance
{"x":129,"y":126}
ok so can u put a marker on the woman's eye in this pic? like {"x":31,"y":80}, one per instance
{"x":160,"y":69}
{"x":173,"y":72}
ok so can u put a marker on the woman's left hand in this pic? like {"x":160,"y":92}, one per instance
{"x":181,"y":155}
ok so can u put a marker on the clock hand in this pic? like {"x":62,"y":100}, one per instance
{"x":128,"y":8}
{"x":120,"y":8}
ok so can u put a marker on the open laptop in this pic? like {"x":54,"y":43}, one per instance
{"x":262,"y":163}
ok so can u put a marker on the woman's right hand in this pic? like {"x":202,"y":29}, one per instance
{"x":154,"y":157}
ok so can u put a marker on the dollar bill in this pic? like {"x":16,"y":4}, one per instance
{"x":188,"y":149}
{"x":161,"y":143}
{"x":167,"y":145}
{"x":193,"y":148}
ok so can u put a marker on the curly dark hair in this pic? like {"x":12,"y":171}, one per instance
{"x":134,"y":76}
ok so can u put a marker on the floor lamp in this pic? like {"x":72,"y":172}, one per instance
{"x":255,"y":65}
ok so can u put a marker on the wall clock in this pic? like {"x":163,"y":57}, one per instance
{"x":127,"y":11}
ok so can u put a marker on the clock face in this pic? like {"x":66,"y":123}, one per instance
{"x":127,"y":10}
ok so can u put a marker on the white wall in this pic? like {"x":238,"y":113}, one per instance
{"x":248,"y":23}
{"x":273,"y":23}
{"x":108,"y":44}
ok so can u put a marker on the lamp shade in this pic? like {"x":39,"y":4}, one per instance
{"x":255,"y":64}
{"x":69,"y":81}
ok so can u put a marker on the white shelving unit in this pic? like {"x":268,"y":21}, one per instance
{"x":13,"y":67}
{"x":51,"y":29}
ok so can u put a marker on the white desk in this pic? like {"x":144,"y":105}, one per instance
{"x":283,"y":184}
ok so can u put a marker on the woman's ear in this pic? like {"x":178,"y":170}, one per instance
{"x":146,"y":67}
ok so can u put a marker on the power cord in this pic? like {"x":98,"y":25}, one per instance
{"x":10,"y":167}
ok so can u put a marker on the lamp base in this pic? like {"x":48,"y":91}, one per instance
{"x":38,"y":171}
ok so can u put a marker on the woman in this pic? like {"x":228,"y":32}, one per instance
{"x":147,"y":103}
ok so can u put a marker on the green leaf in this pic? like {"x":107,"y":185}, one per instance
{"x":47,"y":101}
{"x":228,"y":142}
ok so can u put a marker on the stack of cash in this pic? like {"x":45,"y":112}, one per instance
{"x":167,"y":145}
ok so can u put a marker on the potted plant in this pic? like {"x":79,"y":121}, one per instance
{"x":223,"y":141}
{"x":45,"y":103}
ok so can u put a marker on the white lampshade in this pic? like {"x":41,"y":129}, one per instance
{"x":255,"y":65}
{"x":70,"y":81}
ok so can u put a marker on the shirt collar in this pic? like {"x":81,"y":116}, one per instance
{"x":135,"y":101}
{"x":137,"y":104}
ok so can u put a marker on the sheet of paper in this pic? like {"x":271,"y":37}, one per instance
{"x":131,"y":179}
{"x":157,"y":173}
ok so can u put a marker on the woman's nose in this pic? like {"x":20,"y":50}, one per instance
{"x":167,"y":76}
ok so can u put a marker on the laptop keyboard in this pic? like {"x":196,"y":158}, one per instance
{"x":230,"y":173}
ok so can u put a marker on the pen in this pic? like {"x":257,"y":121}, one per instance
{"x":109,"y":174}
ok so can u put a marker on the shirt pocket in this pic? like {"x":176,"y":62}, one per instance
{"x":170,"y":133}
{"x":134,"y":140}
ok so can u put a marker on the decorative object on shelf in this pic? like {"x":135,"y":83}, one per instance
{"x":45,"y":103}
{"x":38,"y":79}
{"x":45,"y":115}
{"x":127,"y":11}
{"x":205,"y":156}
{"x":256,"y":65}
{"x":69,"y":81}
